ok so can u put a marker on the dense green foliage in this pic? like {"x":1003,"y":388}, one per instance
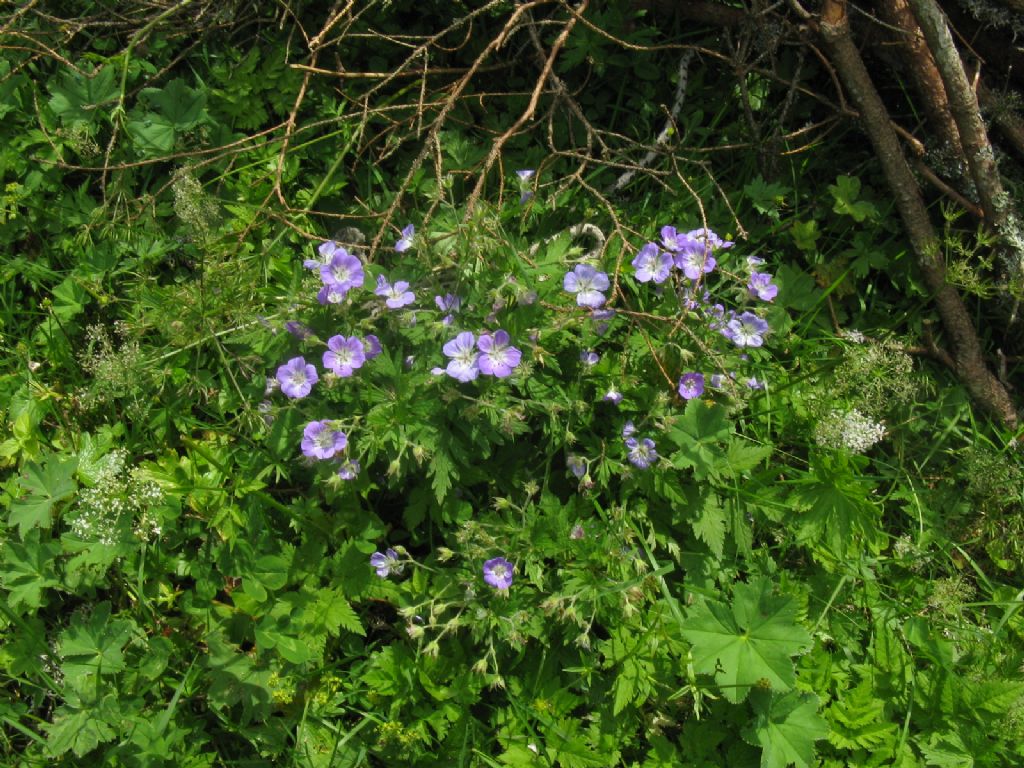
{"x":784,"y":585}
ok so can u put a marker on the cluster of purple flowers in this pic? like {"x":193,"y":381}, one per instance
{"x":691,"y":252}
{"x":490,"y":354}
{"x":497,"y":571}
{"x":640,"y":452}
{"x":339,"y":270}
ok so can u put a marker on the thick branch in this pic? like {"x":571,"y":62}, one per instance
{"x":964,"y":105}
{"x":922,"y":71}
{"x":987,"y":390}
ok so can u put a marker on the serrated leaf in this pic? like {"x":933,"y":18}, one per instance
{"x":44,"y":485}
{"x":27,"y":570}
{"x":331,"y":612}
{"x":748,"y":643}
{"x":839,"y":512}
{"x":786,"y":728}
{"x":80,"y":728}
{"x":766,"y":197}
{"x":77,"y":97}
{"x":743,"y":456}
{"x":153,"y":134}
{"x":181,"y":105}
{"x":443,"y":474}
{"x":699,"y":435}
{"x":710,"y":524}
{"x":94,"y":644}
{"x":845,"y":192}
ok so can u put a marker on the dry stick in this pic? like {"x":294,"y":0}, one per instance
{"x":963,"y":102}
{"x":984,"y":387}
{"x":922,"y":70}
{"x":531,"y":107}
{"x":439,"y":121}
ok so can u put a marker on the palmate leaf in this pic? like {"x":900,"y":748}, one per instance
{"x":27,"y":569}
{"x":43,"y":485}
{"x":94,"y":645}
{"x":80,"y":725}
{"x":748,"y":643}
{"x":786,"y":728}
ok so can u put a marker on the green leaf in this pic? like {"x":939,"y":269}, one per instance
{"x":153,"y":134}
{"x":94,"y":644}
{"x":69,"y":300}
{"x":749,"y":643}
{"x":839,"y":512}
{"x":845,"y":191}
{"x":27,"y":570}
{"x":710,"y":525}
{"x":805,"y":235}
{"x":44,"y":486}
{"x":77,"y":97}
{"x":699,"y":435}
{"x":786,"y":728}
{"x":947,"y":750}
{"x":81,"y":728}
{"x":443,"y":474}
{"x":766,"y":197}
{"x":183,"y":107}
{"x":331,"y":612}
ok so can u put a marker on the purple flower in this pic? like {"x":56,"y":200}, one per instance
{"x":761,"y":286}
{"x":497,"y":356}
{"x":526,"y":174}
{"x":498,"y":573}
{"x":331,"y":294}
{"x":405,"y":242}
{"x":709,"y":239}
{"x":754,"y":383}
{"x":641,"y":452}
{"x":671,"y":239}
{"x":344,"y":355}
{"x":691,"y":385}
{"x":321,"y":441}
{"x":754,"y":261}
{"x":385,"y":562}
{"x":371,"y":346}
{"x":297,"y":377}
{"x":652,"y":264}
{"x":343,"y":272}
{"x":297,"y":329}
{"x":326,"y":251}
{"x":462,"y":349}
{"x":577,"y":532}
{"x":695,"y":260}
{"x":613,"y":396}
{"x":348,"y":470}
{"x":717,"y":379}
{"x":576,"y":465}
{"x":747,"y":330}
{"x":589,"y":357}
{"x":587,"y":283}
{"x":628,"y":430}
{"x":397,"y":295}
{"x":450,"y":304}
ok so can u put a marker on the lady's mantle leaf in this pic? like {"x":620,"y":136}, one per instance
{"x":749,"y":643}
{"x":786,"y":727}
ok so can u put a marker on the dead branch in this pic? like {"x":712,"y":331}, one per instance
{"x":986,"y":389}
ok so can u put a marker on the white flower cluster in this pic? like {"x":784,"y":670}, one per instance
{"x":850,"y":429}
{"x":120,"y":497}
